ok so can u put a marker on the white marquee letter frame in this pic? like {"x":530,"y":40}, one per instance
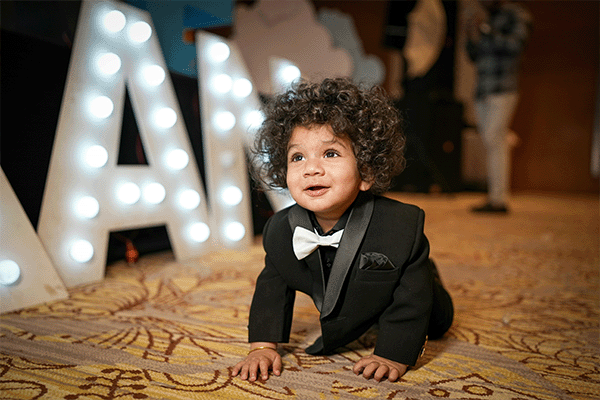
{"x":86,"y":193}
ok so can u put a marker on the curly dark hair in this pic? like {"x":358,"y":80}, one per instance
{"x":366,"y":116}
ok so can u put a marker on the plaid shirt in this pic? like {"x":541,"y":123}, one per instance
{"x":497,"y":54}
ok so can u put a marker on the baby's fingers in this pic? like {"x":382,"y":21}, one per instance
{"x":264,"y":369}
{"x":236,"y":369}
{"x":253,"y":369}
{"x":381,"y":372}
{"x":360,"y":365}
{"x":394,"y":375}
{"x":244,"y":374}
{"x":370,"y":369}
{"x":277,"y":365}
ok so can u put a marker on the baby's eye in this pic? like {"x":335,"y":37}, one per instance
{"x":297,"y":157}
{"x":331,"y":153}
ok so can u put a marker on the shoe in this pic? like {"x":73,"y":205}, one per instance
{"x":490,"y":208}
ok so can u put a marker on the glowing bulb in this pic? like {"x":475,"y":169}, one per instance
{"x":154,"y":193}
{"x":242,"y":87}
{"x":235,"y":231}
{"x":189,"y":199}
{"x":114,"y":21}
{"x":289,"y":73}
{"x":231,"y":195}
{"x":227,"y":159}
{"x":165,"y":117}
{"x":154,"y":75}
{"x":139,"y":32}
{"x":87,"y":207}
{"x":219,"y":52}
{"x":96,"y":156}
{"x":177,"y":159}
{"x":224,"y":120}
{"x":129,"y":193}
{"x":199,"y":232}
{"x":254,"y":119}
{"x":82,"y":251}
{"x":109,"y":63}
{"x":9,"y":272}
{"x":101,"y":107}
{"x":222,"y":83}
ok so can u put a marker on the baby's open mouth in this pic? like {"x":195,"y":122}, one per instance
{"x":316,"y":190}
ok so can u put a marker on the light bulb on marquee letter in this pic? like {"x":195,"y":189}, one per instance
{"x":139,"y":32}
{"x":219,"y":52}
{"x":114,"y":21}
{"x":224,"y":120}
{"x":154,"y":193}
{"x":9,"y":272}
{"x":199,"y":232}
{"x":129,"y":193}
{"x":254,"y":119}
{"x":177,"y":159}
{"x":235,"y":231}
{"x":232,"y":195}
{"x":189,"y":199}
{"x":109,"y":63}
{"x":96,"y":156}
{"x":87,"y":207}
{"x":154,"y":75}
{"x":242,"y":88}
{"x":81,"y":251}
{"x":289,"y":74}
{"x":165,"y":117}
{"x":101,"y":107}
{"x":227,"y":159}
{"x":222,"y":83}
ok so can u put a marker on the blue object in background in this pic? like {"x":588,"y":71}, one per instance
{"x":194,"y":17}
{"x":171,"y":18}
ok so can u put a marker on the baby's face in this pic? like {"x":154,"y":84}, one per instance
{"x":322,"y":174}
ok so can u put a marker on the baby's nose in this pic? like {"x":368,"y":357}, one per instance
{"x":313,"y":166}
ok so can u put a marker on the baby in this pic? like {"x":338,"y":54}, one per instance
{"x":362,"y":258}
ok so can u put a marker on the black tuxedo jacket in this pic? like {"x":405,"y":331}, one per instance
{"x":380,"y":274}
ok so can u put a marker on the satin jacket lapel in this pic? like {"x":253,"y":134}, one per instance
{"x":354,"y":232}
{"x":298,"y":216}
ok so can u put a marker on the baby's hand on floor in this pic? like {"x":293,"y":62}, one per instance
{"x":259,"y":361}
{"x":379,"y":367}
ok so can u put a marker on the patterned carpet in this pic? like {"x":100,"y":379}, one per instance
{"x":525,"y":288}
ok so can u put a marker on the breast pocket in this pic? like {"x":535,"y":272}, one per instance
{"x":376,"y":267}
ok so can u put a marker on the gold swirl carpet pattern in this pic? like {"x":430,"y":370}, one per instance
{"x":525,"y":288}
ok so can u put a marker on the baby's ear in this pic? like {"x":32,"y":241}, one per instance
{"x":367,"y":180}
{"x":365,"y":185}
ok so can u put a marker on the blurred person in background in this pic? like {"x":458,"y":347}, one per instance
{"x":497,"y":32}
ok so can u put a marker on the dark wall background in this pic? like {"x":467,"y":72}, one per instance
{"x":559,"y":90}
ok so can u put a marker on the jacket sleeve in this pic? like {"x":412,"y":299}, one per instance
{"x":272,"y":306}
{"x":403,"y":325}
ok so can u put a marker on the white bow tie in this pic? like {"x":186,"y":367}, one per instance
{"x":305,"y":241}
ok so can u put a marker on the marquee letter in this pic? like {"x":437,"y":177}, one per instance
{"x":27,"y":276}
{"x":230,"y":114}
{"x":86,"y":193}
